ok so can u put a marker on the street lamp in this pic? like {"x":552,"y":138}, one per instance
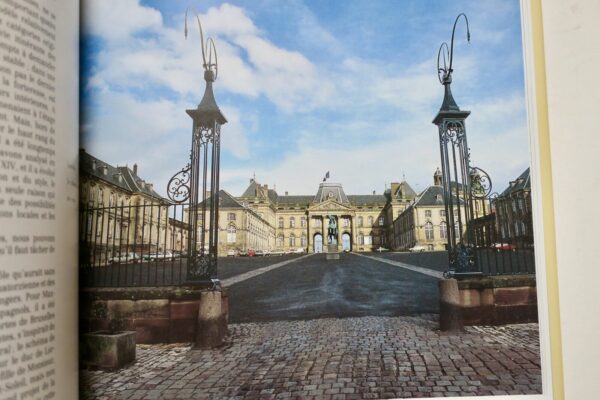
{"x":189,"y":186}
{"x":458,"y":177}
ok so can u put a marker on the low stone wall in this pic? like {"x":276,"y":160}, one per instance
{"x":498,"y":300}
{"x":156,"y":314}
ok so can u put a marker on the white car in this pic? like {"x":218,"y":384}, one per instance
{"x":233,"y":253}
{"x":124,"y":258}
{"x":417,"y":249}
{"x":380,"y":249}
{"x":299,"y":250}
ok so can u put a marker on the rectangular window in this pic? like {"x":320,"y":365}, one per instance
{"x":231,"y":217}
{"x":303,"y":222}
{"x":381,"y":221}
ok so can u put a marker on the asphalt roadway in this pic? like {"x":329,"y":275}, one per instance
{"x":352,"y":286}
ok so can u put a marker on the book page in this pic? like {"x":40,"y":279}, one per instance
{"x":38,"y":199}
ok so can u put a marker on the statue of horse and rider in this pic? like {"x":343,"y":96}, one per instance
{"x":332,"y":230}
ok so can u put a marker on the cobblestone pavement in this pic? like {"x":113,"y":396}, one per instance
{"x":350,"y":358}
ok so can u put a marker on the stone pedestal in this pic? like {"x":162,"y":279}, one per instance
{"x":212,"y":320}
{"x":450,"y":310}
{"x":332,"y":252}
{"x":108,"y":350}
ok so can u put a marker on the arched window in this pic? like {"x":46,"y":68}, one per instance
{"x":280,"y":241}
{"x":292,"y":240}
{"x":292,"y":222}
{"x":429,"y":231}
{"x":280,"y":223}
{"x":443,"y":230}
{"x":360,"y":221}
{"x":231,"y":234}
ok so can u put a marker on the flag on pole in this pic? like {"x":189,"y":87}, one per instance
{"x":326,"y":176}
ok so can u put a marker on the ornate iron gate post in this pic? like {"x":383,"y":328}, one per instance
{"x":457,"y":174}
{"x":197,"y":184}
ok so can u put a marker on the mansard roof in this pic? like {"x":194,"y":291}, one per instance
{"x":331,"y":191}
{"x":367,"y":199}
{"x":404,"y":191}
{"x":523,"y":182}
{"x":432,"y":196}
{"x":255,"y":189}
{"x":295,"y":199}
{"x":326,"y":191}
{"x":122,"y":177}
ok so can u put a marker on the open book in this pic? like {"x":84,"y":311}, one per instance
{"x":435,"y":290}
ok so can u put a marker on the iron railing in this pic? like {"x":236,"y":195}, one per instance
{"x":133,"y":245}
{"x":502,"y":248}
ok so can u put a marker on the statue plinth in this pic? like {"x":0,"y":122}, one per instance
{"x":332,"y":252}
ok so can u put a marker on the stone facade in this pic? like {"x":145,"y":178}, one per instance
{"x":262,"y":219}
{"x":122,"y":212}
{"x":513,"y":211}
{"x":423,"y":222}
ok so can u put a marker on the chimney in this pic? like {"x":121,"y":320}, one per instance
{"x":373,"y":192}
{"x":135,"y":169}
{"x":286,"y":192}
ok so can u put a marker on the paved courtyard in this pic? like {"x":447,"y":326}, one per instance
{"x":351,"y":358}
{"x":357,"y":328}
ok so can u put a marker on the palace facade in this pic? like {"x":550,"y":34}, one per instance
{"x":299,"y":222}
{"x":122,"y":213}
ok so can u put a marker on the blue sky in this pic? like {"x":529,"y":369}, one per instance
{"x":348,"y":87}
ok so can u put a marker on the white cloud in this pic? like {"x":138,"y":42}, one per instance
{"x":252,"y":66}
{"x":118,"y":19}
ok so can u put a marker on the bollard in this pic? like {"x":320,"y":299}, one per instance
{"x":450,"y":310}
{"x":212,"y":321}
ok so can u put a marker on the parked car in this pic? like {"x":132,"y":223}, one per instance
{"x":161,"y":255}
{"x":299,"y":250}
{"x":504,"y":246}
{"x":251,"y":252}
{"x":263,"y":253}
{"x":380,"y":249}
{"x":125,"y":258}
{"x":233,"y":252}
{"x":417,"y":249}
{"x":277,"y":252}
